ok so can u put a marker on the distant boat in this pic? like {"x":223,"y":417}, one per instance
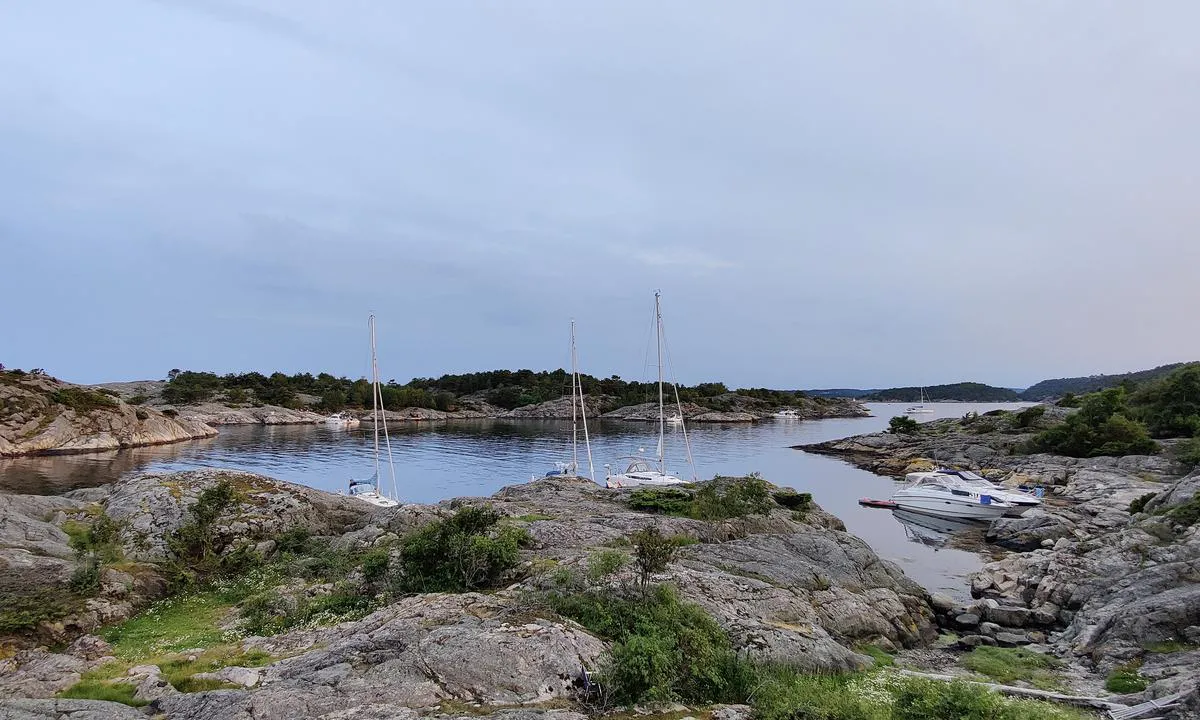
{"x":342,"y":420}
{"x":941,"y":496}
{"x":639,"y":471}
{"x":368,"y":490}
{"x":675,"y":420}
{"x":578,"y":411}
{"x":787,"y":414}
{"x":919,"y":408}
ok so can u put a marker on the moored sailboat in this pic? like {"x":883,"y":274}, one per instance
{"x":368,"y":490}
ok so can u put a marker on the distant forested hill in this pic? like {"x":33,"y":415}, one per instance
{"x":967,"y":391}
{"x":839,"y":392}
{"x":1058,"y":387}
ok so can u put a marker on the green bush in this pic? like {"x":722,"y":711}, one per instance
{"x":1139,"y":503}
{"x":464,"y":552}
{"x":82,"y":400}
{"x":605,"y":563}
{"x":1188,"y":513}
{"x":721,"y":498}
{"x":903,"y":425}
{"x":1102,"y":426}
{"x":1029,"y":416}
{"x":20,"y":613}
{"x":1068,"y":400}
{"x":294,"y":539}
{"x":652,"y":553}
{"x":1188,"y":453}
{"x":663,"y":501}
{"x":374,"y":565}
{"x":85,"y":580}
{"x":194,"y":541}
{"x":793,"y":500}
{"x":663,"y":648}
{"x":1170,"y":407}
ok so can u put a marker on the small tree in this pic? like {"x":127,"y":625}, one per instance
{"x":903,"y":424}
{"x":652,"y":553}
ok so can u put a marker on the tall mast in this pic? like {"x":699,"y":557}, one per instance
{"x":374,"y":397}
{"x":662,"y":421}
{"x":574,"y":385}
{"x":577,"y":383}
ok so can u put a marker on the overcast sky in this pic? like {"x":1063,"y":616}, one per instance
{"x":832,"y":194}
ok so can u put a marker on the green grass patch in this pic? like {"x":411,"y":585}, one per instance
{"x":119,"y":692}
{"x":881,"y":657}
{"x":1010,"y":665}
{"x":188,"y":620}
{"x":1126,"y":679}
{"x":1170,"y":646}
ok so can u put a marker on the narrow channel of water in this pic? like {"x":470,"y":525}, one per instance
{"x":435,"y":461}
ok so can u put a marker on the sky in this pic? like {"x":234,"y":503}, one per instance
{"x":850,"y":194}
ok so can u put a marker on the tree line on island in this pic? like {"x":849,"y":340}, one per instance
{"x":1124,"y":420}
{"x":506,"y":389}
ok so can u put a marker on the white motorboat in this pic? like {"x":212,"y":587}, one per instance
{"x":919,"y":408}
{"x":368,"y":490}
{"x":639,"y":471}
{"x":578,"y":411}
{"x":943,"y":496}
{"x":342,"y":420}
{"x":675,"y":420}
{"x":1021,"y":501}
{"x":787,"y":414}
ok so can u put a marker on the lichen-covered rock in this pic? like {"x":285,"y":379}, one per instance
{"x":24,"y":709}
{"x":39,"y":414}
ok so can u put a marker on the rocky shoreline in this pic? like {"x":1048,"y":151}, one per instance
{"x":1090,"y":579}
{"x":785,"y":585}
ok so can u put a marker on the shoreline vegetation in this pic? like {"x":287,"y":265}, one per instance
{"x":230,"y":595}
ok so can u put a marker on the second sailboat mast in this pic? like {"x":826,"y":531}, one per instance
{"x":662,"y":421}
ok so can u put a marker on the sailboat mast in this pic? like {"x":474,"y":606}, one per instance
{"x":574,"y":385}
{"x":374,"y":395}
{"x":662,"y":421}
{"x":587,"y":443}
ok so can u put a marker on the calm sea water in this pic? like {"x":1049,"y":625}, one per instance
{"x":435,"y":461}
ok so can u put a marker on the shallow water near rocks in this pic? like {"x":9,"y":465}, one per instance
{"x":436,"y":461}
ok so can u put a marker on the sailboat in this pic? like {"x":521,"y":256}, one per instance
{"x":368,"y":490}
{"x":919,"y":408}
{"x":639,"y":470}
{"x":578,"y":411}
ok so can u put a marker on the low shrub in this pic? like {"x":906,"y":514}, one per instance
{"x":85,"y":580}
{"x":605,"y":563}
{"x":662,"y":501}
{"x":464,"y":552}
{"x":1139,"y":504}
{"x":793,"y":500}
{"x":721,"y":498}
{"x":1103,"y":426}
{"x":83,"y":400}
{"x":903,"y":425}
{"x":1125,"y":679}
{"x":1186,"y":514}
{"x":1029,"y":416}
{"x":652,"y":553}
{"x":1187,"y":453}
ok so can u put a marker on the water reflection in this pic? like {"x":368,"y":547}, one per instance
{"x":936,"y":532}
{"x":435,"y":461}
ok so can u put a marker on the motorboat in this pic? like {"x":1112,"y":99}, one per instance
{"x":344,"y":420}
{"x":641,"y":472}
{"x":943,"y":496}
{"x":919,"y":408}
{"x":787,"y":414}
{"x":366,"y":491}
{"x":1021,"y":501}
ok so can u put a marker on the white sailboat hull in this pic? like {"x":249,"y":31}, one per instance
{"x":626,"y":480}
